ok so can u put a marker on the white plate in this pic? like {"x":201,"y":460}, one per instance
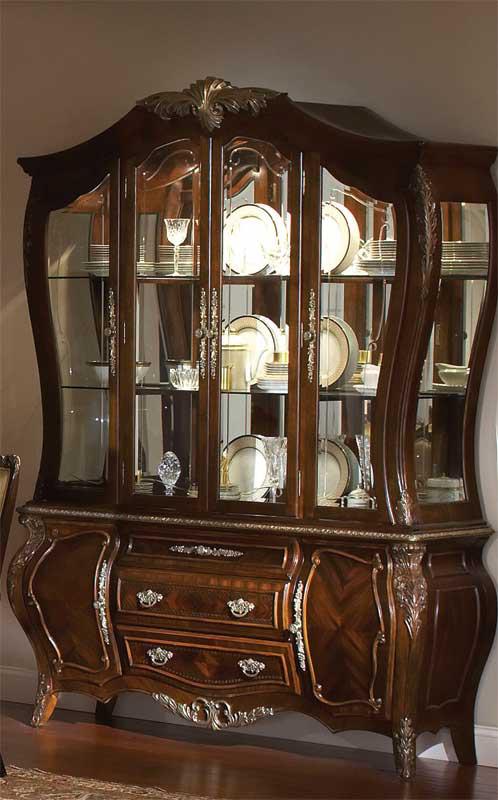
{"x":261,"y":336}
{"x":250,"y":232}
{"x":247,"y":466}
{"x":334,"y":473}
{"x":340,"y":237}
{"x":339,"y":351}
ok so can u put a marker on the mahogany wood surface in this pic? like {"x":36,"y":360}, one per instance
{"x":233,"y":766}
{"x":376,"y":619}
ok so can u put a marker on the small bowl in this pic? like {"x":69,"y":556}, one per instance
{"x":453,"y":374}
{"x":184,"y":377}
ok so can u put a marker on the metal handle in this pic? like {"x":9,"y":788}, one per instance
{"x":309,"y":336}
{"x":149,"y":598}
{"x":203,"y":550}
{"x":110,"y":332}
{"x":201,"y":334}
{"x":213,"y":332}
{"x":159,"y":656}
{"x":240,"y":608}
{"x":251,"y":668}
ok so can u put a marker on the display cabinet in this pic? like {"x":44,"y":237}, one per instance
{"x":261,"y":327}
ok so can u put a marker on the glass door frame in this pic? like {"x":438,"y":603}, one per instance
{"x":291,"y":508}
{"x":127,"y":331}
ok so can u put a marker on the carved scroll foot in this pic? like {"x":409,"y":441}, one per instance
{"x":104,"y":710}
{"x":464,"y":743}
{"x":45,"y":702}
{"x":404,"y":739}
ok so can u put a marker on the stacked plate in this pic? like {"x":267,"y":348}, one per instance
{"x":378,"y":255}
{"x":99,"y":260}
{"x":464,"y":256}
{"x":275,"y":377}
{"x":166,"y":259}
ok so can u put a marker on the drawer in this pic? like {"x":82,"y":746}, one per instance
{"x":186,"y":550}
{"x":194,"y":660}
{"x":200,"y":598}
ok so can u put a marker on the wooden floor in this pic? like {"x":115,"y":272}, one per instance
{"x":224,"y":766}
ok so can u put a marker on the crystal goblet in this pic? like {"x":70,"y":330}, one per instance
{"x":176,"y":231}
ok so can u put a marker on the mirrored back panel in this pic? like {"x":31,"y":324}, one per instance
{"x":440,"y":411}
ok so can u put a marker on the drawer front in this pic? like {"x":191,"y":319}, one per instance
{"x":188,"y":597}
{"x":190,"y":551}
{"x":204,"y":662}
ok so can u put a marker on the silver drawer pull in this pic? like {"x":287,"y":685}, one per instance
{"x":203,"y":550}
{"x":240,"y":608}
{"x":251,"y":668}
{"x":149,"y":598}
{"x":159,"y":656}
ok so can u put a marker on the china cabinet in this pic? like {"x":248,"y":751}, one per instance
{"x":261,"y":327}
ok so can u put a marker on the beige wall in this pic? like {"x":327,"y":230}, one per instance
{"x":70,"y":69}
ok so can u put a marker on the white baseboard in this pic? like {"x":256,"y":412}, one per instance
{"x":19,"y":685}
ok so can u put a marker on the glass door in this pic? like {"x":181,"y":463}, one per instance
{"x":168,"y":362}
{"x":256,"y":424}
{"x":439,"y":444}
{"x":345,"y":319}
{"x":80,"y":250}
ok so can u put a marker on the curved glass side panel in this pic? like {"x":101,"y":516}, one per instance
{"x":357,"y":266}
{"x":255,"y":317}
{"x":440,"y":410}
{"x":169,"y":306}
{"x":78,"y":273}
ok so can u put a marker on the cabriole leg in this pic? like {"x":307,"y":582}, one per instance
{"x":464,"y":743}
{"x":404,"y":740}
{"x":45,"y":702}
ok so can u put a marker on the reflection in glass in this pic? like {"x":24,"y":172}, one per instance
{"x":357,"y":266}
{"x":255,"y":334}
{"x":440,"y":410}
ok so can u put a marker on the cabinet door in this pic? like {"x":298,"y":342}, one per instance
{"x":347,"y":630}
{"x":349,"y":270}
{"x":254,"y":317}
{"x":69,"y":593}
{"x":164,"y":294}
{"x":79,"y":390}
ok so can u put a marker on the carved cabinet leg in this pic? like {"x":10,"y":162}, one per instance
{"x":104,"y":710}
{"x":464,"y":743}
{"x":405,"y":754}
{"x":45,"y":702}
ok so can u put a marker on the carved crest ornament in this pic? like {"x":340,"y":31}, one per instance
{"x":208,"y":100}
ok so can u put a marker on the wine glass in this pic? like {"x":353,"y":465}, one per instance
{"x":169,"y":471}
{"x":176,"y":231}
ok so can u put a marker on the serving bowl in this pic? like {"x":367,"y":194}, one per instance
{"x":453,"y":374}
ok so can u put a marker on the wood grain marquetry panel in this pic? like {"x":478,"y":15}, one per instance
{"x":456,"y":622}
{"x":64,"y":589}
{"x":198,"y":602}
{"x":210,"y":663}
{"x":346,"y":630}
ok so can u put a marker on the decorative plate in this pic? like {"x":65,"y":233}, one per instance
{"x":248,"y":467}
{"x":339,"y":351}
{"x":340,"y":237}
